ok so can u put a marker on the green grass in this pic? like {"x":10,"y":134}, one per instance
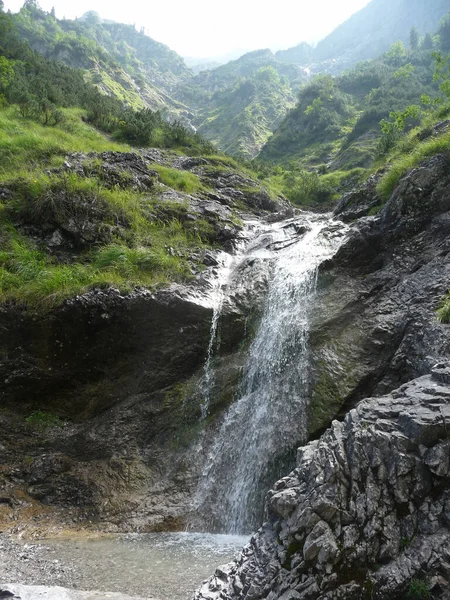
{"x":184,"y":181}
{"x":147,"y":243}
{"x":418,"y":590}
{"x":31,"y":278}
{"x":42,"y":420}
{"x":138,"y":240}
{"x":341,"y":181}
{"x":401,"y":165}
{"x":26,"y":145}
{"x":226,"y":161}
{"x":410,"y":151}
{"x":443,"y":311}
{"x":275,"y":184}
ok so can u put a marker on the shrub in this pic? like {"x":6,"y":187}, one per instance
{"x":42,"y":420}
{"x":306,"y":188}
{"x":443,"y":311}
{"x":418,"y":589}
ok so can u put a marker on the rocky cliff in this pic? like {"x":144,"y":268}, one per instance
{"x":366,"y":512}
{"x":376,"y":325}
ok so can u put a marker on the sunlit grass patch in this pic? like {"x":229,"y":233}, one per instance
{"x":28,"y":145}
{"x":184,"y":181}
{"x":403,"y":163}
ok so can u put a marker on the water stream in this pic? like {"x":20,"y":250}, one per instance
{"x":167,"y":566}
{"x":269,"y":416}
{"x":225,"y":262}
{"x":260,"y":430}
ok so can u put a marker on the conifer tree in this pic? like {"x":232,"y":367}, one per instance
{"x":427,"y":43}
{"x":413,"y":39}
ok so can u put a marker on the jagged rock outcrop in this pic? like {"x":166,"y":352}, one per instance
{"x":365,"y":514}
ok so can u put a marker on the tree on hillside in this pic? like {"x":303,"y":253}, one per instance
{"x":427,"y":42}
{"x":30,"y":5}
{"x":413,"y":38}
{"x":444,"y":34}
{"x":396,"y":54}
{"x":2,"y":6}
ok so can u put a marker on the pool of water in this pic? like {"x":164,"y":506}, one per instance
{"x":168,"y":566}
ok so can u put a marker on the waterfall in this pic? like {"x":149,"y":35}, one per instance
{"x":268,"y":418}
{"x":218,"y":294}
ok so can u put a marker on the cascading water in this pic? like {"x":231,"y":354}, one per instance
{"x":218,"y":293}
{"x":268,"y":418}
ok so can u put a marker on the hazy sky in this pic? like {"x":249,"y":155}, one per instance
{"x":204,"y":28}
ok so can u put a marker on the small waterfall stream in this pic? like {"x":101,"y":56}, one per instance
{"x":218,"y":294}
{"x":268,"y":418}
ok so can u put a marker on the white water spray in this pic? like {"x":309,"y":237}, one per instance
{"x":269,"y":417}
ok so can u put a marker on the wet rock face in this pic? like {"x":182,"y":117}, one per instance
{"x":117,"y":368}
{"x":365,"y":512}
{"x":375,"y":325}
{"x":98,"y":349}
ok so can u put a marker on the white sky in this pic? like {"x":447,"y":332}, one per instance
{"x":204,"y":28}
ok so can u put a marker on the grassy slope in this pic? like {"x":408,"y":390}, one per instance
{"x":240,"y":119}
{"x":26,"y":145}
{"x":410,"y":151}
{"x":137,"y":255}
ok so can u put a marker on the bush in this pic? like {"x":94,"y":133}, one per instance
{"x":418,"y":589}
{"x":42,"y":420}
{"x":306,"y":188}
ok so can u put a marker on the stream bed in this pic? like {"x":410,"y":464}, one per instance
{"x":168,"y":566}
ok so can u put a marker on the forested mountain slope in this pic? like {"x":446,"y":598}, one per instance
{"x":118,"y":59}
{"x":368,"y":33}
{"x":239,"y":104}
{"x":336,"y":121}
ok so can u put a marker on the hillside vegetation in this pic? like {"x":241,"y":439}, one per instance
{"x":346,"y":127}
{"x":119,"y":60}
{"x":78,"y":208}
{"x":367,"y":34}
{"x":239,"y":105}
{"x":240,"y":118}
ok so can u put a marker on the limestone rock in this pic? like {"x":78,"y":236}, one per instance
{"x":384,"y":470}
